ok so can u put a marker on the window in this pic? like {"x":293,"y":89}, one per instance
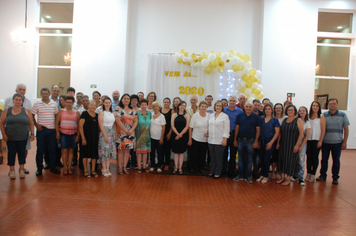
{"x":334,"y":58}
{"x":55,"y":45}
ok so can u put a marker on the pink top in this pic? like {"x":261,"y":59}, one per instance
{"x":69,"y":122}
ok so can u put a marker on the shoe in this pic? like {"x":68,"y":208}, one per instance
{"x":216,"y":177}
{"x":38,"y":172}
{"x":294,"y":178}
{"x":180,"y":171}
{"x":301,"y":182}
{"x":152,"y":169}
{"x":174,"y":170}
{"x":166,"y":167}
{"x":210,"y":176}
{"x":55,"y":171}
{"x":264,"y":180}
{"x":26,"y":171}
{"x":87,"y":174}
{"x":12,"y":174}
{"x":159,"y":170}
{"x":307,"y":178}
{"x":321,"y":178}
{"x":335,"y":182}
{"x":126,"y":172}
{"x":22,"y":174}
{"x":259,"y":179}
{"x":238,"y":178}
{"x":139,"y":171}
{"x":120,"y":172}
{"x":127,"y":167}
{"x":249,"y":180}
{"x":311,"y":178}
{"x":135,"y":167}
{"x":46,"y":167}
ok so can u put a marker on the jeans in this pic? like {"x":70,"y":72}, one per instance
{"x":46,"y":138}
{"x":14,"y":147}
{"x":197,"y":160}
{"x":156,"y":146}
{"x":231,"y":165}
{"x":167,"y":151}
{"x":245,"y":157}
{"x":335,"y":153}
{"x":265,"y":156}
{"x":256,"y":160}
{"x":301,"y":165}
{"x":216,"y":157}
{"x":312,"y":156}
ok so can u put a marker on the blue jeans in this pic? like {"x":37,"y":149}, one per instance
{"x":245,"y":157}
{"x":46,"y":138}
{"x":335,"y":153}
{"x":301,"y":165}
{"x":265,"y":156}
{"x":14,"y":147}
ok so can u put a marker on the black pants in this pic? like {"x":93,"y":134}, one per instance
{"x":312,"y":156}
{"x":166,"y":151}
{"x":133,"y":159}
{"x":231,"y":165}
{"x":256,"y":163}
{"x":156,"y":146}
{"x":197,"y":160}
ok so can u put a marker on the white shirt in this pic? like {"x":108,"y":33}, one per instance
{"x":190,"y":111}
{"x":156,"y":126}
{"x":81,"y":109}
{"x":199,"y":125}
{"x":210,"y":110}
{"x":219,"y":128}
{"x":26,"y":104}
{"x":315,"y":130}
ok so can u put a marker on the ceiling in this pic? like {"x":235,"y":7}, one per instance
{"x":59,"y":13}
{"x":328,"y":22}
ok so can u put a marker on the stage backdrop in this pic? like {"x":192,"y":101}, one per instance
{"x":167,"y":78}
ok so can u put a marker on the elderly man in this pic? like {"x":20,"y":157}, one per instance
{"x":115,"y":99}
{"x":247,"y":132}
{"x":21,"y":88}
{"x":209,"y":99}
{"x":242,"y":100}
{"x":335,"y":140}
{"x":232,"y":111}
{"x":55,"y":94}
{"x":191,"y":110}
{"x":46,"y":110}
{"x":85,"y":104}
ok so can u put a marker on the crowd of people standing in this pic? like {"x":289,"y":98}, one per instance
{"x":141,"y":134}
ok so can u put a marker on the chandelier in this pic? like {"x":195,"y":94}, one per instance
{"x":67,"y":58}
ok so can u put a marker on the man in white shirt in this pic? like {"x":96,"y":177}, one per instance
{"x":55,"y":94}
{"x":209,"y":100}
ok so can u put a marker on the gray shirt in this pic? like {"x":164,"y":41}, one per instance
{"x":17,"y":126}
{"x":335,"y":127}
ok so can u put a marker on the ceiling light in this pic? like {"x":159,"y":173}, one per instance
{"x":48,"y":17}
{"x":339,"y":27}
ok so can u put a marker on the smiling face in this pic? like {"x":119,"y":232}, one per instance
{"x":218,"y":107}
{"x":143,"y":106}
{"x":96,"y":97}
{"x":107,"y":104}
{"x":45,"y":95}
{"x":291,"y":111}
{"x":193,"y":100}
{"x":333,"y":105}
{"x":79,"y":97}
{"x":242,"y":100}
{"x":21,"y":89}
{"x":176,"y":101}
{"x":85,"y":102}
{"x":268,"y":111}
{"x":134,"y":102}
{"x":302,"y":112}
{"x":182,"y":107}
{"x":91,"y":106}
{"x":279,"y":110}
{"x":209,"y":100}
{"x":203,"y":107}
{"x":151,"y":97}
{"x":166,"y":103}
{"x":232,"y":102}
{"x":315,"y":107}
{"x":69,"y":104}
{"x":17,"y":101}
{"x":55,"y":92}
{"x":155,"y":108}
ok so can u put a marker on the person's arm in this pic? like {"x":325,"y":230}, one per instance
{"x":190,"y":136}
{"x":172,"y":124}
{"x":237,"y":127}
{"x":101,"y":126}
{"x":81,"y":131}
{"x":78,"y":134}
{"x":300,"y":137}
{"x":58,"y":120}
{"x":134,"y":125}
{"x":30,"y":124}
{"x":226,"y":130}
{"x":322,"y":131}
{"x":307,"y":132}
{"x":346,"y":136}
{"x":257,"y":136}
{"x":186,"y":126}
{"x":2,"y":124}
{"x":274,"y":138}
{"x":120,"y":124}
{"x":34,"y":112}
{"x":162,"y":134}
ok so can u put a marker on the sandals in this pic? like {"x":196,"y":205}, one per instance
{"x":94,"y":174}
{"x":174,"y":170}
{"x":180,"y":171}
{"x":147,"y":170}
{"x":259,"y":179}
{"x":120,"y":171}
{"x":87,"y":174}
{"x":126,"y":172}
{"x":264,"y":180}
{"x":139,"y":171}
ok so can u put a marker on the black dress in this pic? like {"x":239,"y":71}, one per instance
{"x":91,"y":134}
{"x":180,"y":145}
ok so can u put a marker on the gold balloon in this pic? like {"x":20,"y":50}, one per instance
{"x":244,"y":78}
{"x":248,"y":84}
{"x":195,"y":60}
{"x":204,"y":55}
{"x":231,"y":53}
{"x":189,"y":63}
{"x":240,"y":55}
{"x":219,"y":54}
{"x":186,"y":54}
{"x":213,"y":52}
{"x":246,"y":57}
{"x":252,"y":72}
{"x":179,"y":60}
{"x":240,"y":68}
{"x":221,"y":69}
{"x":242,"y":89}
{"x":208,"y":69}
{"x":193,"y":56}
{"x":215,"y":64}
{"x":260,"y":96}
{"x":221,"y":63}
{"x":258,"y":80}
{"x":256,"y":91}
{"x":218,"y":59}
{"x":235,"y":67}
{"x":253,"y":79}
{"x":181,"y":51}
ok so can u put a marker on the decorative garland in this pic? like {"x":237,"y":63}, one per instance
{"x":249,"y":78}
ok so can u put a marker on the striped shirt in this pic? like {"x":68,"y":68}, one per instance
{"x":46,"y":113}
{"x":335,"y":127}
{"x":69,"y":124}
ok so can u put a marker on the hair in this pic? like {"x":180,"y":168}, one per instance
{"x":266,"y":99}
{"x":218,"y":101}
{"x":224,"y":99}
{"x":143,"y":101}
{"x":242,"y":95}
{"x":121,"y":104}
{"x":175,"y":109}
{"x":181,"y":102}
{"x":18,"y":95}
{"x":295,"y":109}
{"x":103,"y":106}
{"x":151,"y":93}
{"x":233,"y":96}
{"x":167,"y":99}
{"x":264,"y":109}
{"x":86,"y":96}
{"x":256,"y":100}
{"x":21,"y":84}
{"x":45,"y":89}
{"x":53,"y":86}
{"x":96,"y":92}
{"x":287,"y":102}
{"x":70,"y":89}
{"x":333,"y":99}
{"x":209,"y":96}
{"x":134,"y":96}
{"x":141,"y":92}
{"x":69,"y":98}
{"x":156,"y":103}
{"x":203,"y":102}
{"x":274,"y":109}
{"x":311,"y":109}
{"x":80,"y":93}
{"x":306,"y":116}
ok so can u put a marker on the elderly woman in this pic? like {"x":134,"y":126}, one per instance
{"x":167,"y":112}
{"x":157,"y":130}
{"x":89,"y":132}
{"x":151,"y":97}
{"x":288,"y":145}
{"x":15,"y":123}
{"x":67,"y":120}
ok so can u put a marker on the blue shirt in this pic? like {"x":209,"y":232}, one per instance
{"x":114,"y":104}
{"x":247,"y":125}
{"x":267,"y":129}
{"x":232,"y":116}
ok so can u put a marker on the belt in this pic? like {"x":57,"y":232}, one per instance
{"x":246,"y":138}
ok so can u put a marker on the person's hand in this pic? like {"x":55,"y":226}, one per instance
{"x":84,"y":142}
{"x":319,"y":144}
{"x":207,"y":133}
{"x":77,"y":139}
{"x":58,"y":136}
{"x":106,"y":138}
{"x":32,"y":137}
{"x":177,"y":137}
{"x":235,"y":143}
{"x":129,"y":132}
{"x":268,"y":146}
{"x":168,"y":137}
{"x":343,"y":146}
{"x":38,"y":127}
{"x":277,"y":146}
{"x":180,"y":135}
{"x":296,"y":149}
{"x":190,"y":143}
{"x":224,"y":143}
{"x":161,"y":141}
{"x":300,"y":149}
{"x":255,"y":144}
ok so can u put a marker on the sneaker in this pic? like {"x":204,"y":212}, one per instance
{"x":249,"y":180}
{"x":335,"y":181}
{"x":159,"y":170}
{"x":166,"y":167}
{"x":127,"y":167}
{"x":152,"y":169}
{"x":22,"y":174}
{"x":301,"y":182}
{"x":321,"y":178}
{"x":294,"y":178}
{"x":238,"y":178}
{"x":12,"y":174}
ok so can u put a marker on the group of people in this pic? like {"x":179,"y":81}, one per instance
{"x":275,"y":138}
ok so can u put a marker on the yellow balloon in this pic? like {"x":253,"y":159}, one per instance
{"x":244,"y":78}
{"x":219,"y":54}
{"x":235,"y":68}
{"x":242,"y":89}
{"x":204,"y":55}
{"x":252,"y":72}
{"x":179,"y":60}
{"x":248,"y":84}
{"x":247,"y":97}
{"x":240,"y":68}
{"x":221,"y":63}
{"x":215,"y":64}
{"x":218,"y":59}
{"x":200,"y":59}
{"x":258,"y":80}
{"x":246,"y":57}
{"x":186,"y":54}
{"x":231,"y":53}
{"x":193,"y":56}
{"x":260,"y":96}
{"x":189,"y":63}
{"x":181,"y":51}
{"x":208,"y":69}
{"x":221,"y":69}
{"x":195,"y":59}
{"x":213,"y":52}
{"x":240,"y":55}
{"x":256,"y":91}
{"x":253,"y":79}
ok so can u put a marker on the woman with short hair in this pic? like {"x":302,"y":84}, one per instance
{"x":167,"y":113}
{"x":151,"y":97}
{"x":278,"y":113}
{"x":157,"y":130}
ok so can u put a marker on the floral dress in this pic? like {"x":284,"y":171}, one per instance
{"x":124,"y":140}
{"x":107,"y":150}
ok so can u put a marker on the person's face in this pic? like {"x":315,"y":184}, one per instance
{"x":69,"y":104}
{"x":218,"y":107}
{"x":45,"y":95}
{"x":333,"y":105}
{"x":193,"y":101}
{"x":291,"y":112}
{"x":85,"y":102}
{"x":166,"y":103}
{"x":315,"y":107}
{"x":176,"y":102}
{"x":261,"y":106}
{"x":116,"y":95}
{"x":279,"y":109}
{"x":63,"y":102}
{"x":143,"y":106}
{"x":242,"y":99}
{"x":151,"y":97}
{"x":134,"y":102}
{"x":107,"y":104}
{"x":70,"y":93}
{"x":209,"y":100}
{"x":266,"y":101}
{"x":302,"y":112}
{"x":55,"y":92}
{"x":91,"y":106}
{"x":126,"y":100}
{"x":256,"y":106}
{"x":268,"y":111}
{"x":96,"y":97}
{"x":224,"y":103}
{"x":232,"y":102}
{"x":21,"y":89}
{"x":203,"y":107}
{"x":248,"y":108}
{"x":140,"y":96}
{"x":17,"y":101}
{"x":182,"y":107}
{"x":155,"y":108}
{"x":79,"y":97}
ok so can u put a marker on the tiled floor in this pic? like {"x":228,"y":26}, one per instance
{"x":151,"y":204}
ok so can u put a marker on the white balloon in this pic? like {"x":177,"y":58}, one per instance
{"x":248,"y":65}
{"x":190,"y":59}
{"x":185,"y":59}
{"x":181,"y":56}
{"x":254,"y":85}
{"x":245,"y":71}
{"x":258,"y":73}
{"x":177,"y":54}
{"x":248,"y":91}
{"x":241,"y":63}
{"x":211,"y":57}
{"x":205,"y":62}
{"x":243,"y":83}
{"x":250,"y":99}
{"x":239,"y":74}
{"x":234,"y":60}
{"x":260,"y":87}
{"x":228,"y":65}
{"x":253,"y":96}
{"x":224,"y":56}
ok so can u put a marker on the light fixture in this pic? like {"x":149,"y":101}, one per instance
{"x":48,"y":17}
{"x":67,"y":58}
{"x":339,"y":27}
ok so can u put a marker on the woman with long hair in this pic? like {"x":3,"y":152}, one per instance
{"x":167,"y":113}
{"x":176,"y":102}
{"x":278,"y":113}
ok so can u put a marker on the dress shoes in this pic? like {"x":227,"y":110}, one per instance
{"x":39,"y":172}
{"x":55,"y":171}
{"x":46,"y":167}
